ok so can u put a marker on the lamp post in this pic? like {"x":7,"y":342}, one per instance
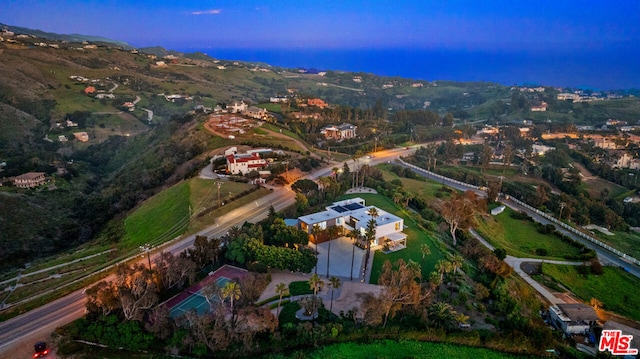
{"x":147,"y":248}
{"x":218,"y":183}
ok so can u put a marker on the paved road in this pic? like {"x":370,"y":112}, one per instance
{"x":39,"y":323}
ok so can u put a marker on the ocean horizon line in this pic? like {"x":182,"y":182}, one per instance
{"x":598,"y":69}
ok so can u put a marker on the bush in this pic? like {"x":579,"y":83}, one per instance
{"x":299,"y":288}
{"x":541,"y":252}
{"x":596,"y":267}
{"x":583,"y":270}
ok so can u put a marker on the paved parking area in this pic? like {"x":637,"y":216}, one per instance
{"x":340,"y":261}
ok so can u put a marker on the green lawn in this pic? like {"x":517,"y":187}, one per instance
{"x":403,"y":349}
{"x":271,"y":107}
{"x":520,"y":237}
{"x":615,"y":288}
{"x":415,"y":237}
{"x":423,"y":188}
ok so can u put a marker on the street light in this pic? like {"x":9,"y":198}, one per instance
{"x":147,"y":248}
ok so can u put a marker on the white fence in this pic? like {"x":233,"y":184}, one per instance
{"x":536,"y":211}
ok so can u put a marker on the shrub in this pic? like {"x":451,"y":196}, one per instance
{"x":596,"y":267}
{"x":299,"y":288}
{"x":541,"y":252}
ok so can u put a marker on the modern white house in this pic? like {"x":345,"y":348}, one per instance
{"x":354,"y":214}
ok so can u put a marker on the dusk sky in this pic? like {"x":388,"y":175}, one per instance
{"x":469,"y":25}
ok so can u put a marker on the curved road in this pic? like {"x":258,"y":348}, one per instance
{"x":18,"y":334}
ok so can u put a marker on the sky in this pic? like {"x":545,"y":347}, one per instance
{"x":489,"y":25}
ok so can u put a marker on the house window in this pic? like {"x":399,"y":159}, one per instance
{"x":397,"y":226}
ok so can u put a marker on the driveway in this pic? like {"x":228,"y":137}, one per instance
{"x":340,"y":261}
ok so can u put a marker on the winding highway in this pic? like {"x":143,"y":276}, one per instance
{"x":17,"y":335}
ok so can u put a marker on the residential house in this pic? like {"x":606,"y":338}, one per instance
{"x":89,"y":90}
{"x":101,"y":96}
{"x":540,"y":150}
{"x":81,"y":136}
{"x":302,"y":115}
{"x":317,"y":103}
{"x":624,"y":160}
{"x":29,"y":180}
{"x":353,"y":214}
{"x":340,"y":132}
{"x":238,"y":107}
{"x":239,"y":164}
{"x":573,"y":318}
{"x":540,"y":108}
{"x":612,"y":122}
{"x":568,"y":96}
{"x":256,"y":112}
{"x":278,"y":99}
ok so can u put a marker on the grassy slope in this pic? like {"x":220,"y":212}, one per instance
{"x":520,"y":237}
{"x":615,"y":288}
{"x":168,"y":209}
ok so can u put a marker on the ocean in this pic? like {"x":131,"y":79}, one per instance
{"x":598,"y":69}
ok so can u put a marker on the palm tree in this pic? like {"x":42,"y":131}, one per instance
{"x":443,"y":266}
{"x":354,"y":234}
{"x":441,"y":315}
{"x":335,"y":284}
{"x":456,"y":262}
{"x":371,"y":236}
{"x":281,"y":290}
{"x":425,"y":251}
{"x":315,"y":284}
{"x":232,"y":291}
{"x":461,"y":318}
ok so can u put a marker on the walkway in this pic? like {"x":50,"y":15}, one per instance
{"x":362,"y":190}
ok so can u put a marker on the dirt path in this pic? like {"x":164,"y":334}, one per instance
{"x":296,"y":141}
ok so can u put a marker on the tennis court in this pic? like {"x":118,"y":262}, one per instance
{"x":196,"y":300}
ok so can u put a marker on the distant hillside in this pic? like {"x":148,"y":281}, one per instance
{"x":159,"y":51}
{"x":64,"y":37}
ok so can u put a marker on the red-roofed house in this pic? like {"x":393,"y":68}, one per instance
{"x":244,"y":163}
{"x":317,"y":102}
{"x":89,"y":90}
